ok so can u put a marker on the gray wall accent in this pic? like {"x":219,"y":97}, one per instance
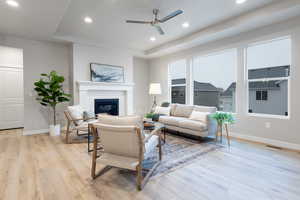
{"x":39,"y":57}
{"x":141,"y":98}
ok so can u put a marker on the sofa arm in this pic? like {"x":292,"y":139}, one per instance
{"x":212,"y":126}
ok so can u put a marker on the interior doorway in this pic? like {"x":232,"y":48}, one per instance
{"x":11,"y":88}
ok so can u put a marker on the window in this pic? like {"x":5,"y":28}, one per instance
{"x":177,"y":81}
{"x":261,"y":95}
{"x":214,"y":80}
{"x":268,"y":66}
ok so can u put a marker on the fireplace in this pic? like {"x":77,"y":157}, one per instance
{"x":109,"y":106}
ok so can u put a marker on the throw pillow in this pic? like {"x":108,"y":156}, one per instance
{"x":162,"y":110}
{"x":199,"y":116}
{"x":76,"y":112}
{"x":183,"y":110}
{"x":87,"y":116}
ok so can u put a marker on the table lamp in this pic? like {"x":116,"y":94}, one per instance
{"x":154,"y":90}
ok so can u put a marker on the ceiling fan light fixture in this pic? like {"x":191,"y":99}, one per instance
{"x":152,"y":39}
{"x":12,"y":3}
{"x":88,"y":20}
{"x":185,"y":25}
{"x":240,"y":1}
{"x":157,"y":21}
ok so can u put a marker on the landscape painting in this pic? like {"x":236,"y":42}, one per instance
{"x":107,"y":73}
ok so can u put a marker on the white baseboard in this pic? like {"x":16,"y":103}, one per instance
{"x":33,"y":132}
{"x":40,"y":131}
{"x":272,"y":142}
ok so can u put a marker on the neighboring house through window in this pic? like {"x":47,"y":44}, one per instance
{"x":268,"y":77}
{"x":214,"y":80}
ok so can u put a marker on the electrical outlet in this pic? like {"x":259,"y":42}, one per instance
{"x":268,"y":125}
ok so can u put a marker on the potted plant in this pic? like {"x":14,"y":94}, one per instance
{"x":50,"y":93}
{"x":223,"y":117}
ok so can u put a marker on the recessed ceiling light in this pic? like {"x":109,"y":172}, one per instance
{"x":240,"y":1}
{"x":152,"y":39}
{"x":88,"y":20}
{"x":185,"y":25}
{"x":12,"y":3}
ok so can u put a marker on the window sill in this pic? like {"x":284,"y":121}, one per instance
{"x":268,"y":116}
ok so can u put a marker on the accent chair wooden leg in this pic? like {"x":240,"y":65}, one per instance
{"x":93,"y":170}
{"x":139,"y":176}
{"x":68,"y":132}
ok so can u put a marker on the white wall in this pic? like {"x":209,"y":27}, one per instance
{"x":11,"y":57}
{"x":141,"y":88}
{"x":135,"y":70}
{"x":39,"y":57}
{"x":285,"y":130}
{"x":83,"y":55}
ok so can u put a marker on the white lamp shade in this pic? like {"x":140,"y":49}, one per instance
{"x":155,"y":88}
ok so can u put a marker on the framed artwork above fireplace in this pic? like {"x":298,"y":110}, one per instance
{"x":106,"y":73}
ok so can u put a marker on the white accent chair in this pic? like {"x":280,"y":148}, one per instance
{"x":76,"y":122}
{"x":124,"y":146}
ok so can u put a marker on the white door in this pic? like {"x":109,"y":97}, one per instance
{"x":11,"y":98}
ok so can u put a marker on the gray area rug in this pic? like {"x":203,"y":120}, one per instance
{"x":178,"y":152}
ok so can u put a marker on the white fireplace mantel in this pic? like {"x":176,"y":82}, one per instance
{"x":89,"y":91}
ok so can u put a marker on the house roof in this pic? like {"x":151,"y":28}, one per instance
{"x":269,"y":72}
{"x":178,"y":81}
{"x":229,"y":90}
{"x":205,"y":87}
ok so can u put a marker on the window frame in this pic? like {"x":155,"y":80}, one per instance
{"x":214,"y":53}
{"x":170,"y":85}
{"x":262,"y":115}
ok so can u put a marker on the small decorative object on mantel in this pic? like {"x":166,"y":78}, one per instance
{"x":223,"y":119}
{"x":106,"y":73}
{"x":50,"y":93}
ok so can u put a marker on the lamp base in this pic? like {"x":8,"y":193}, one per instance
{"x":153,"y":105}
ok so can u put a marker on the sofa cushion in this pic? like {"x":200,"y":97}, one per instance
{"x":193,"y":125}
{"x":205,"y":109}
{"x":162,"y":110}
{"x":173,"y":107}
{"x":199,"y":116}
{"x":171,"y":120}
{"x":183,"y":110}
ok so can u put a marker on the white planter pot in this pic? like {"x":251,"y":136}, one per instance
{"x":54,"y":130}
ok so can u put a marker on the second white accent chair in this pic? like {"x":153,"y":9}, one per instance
{"x":124,"y":145}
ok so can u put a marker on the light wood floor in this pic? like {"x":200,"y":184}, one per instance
{"x":42,"y":167}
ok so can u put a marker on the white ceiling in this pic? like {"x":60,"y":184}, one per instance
{"x":63,"y":19}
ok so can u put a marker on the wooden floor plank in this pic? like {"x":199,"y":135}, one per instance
{"x":45,"y":168}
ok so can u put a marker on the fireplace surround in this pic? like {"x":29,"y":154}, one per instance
{"x":89,"y":91}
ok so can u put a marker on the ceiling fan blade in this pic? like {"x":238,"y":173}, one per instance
{"x":159,"y":29}
{"x":137,"y":22}
{"x":170,"y":16}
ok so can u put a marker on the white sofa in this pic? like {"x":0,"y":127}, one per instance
{"x":182,"y":120}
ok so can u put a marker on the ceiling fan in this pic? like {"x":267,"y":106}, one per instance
{"x":156,"y":21}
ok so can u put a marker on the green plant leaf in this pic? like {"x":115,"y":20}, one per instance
{"x":49,"y":89}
